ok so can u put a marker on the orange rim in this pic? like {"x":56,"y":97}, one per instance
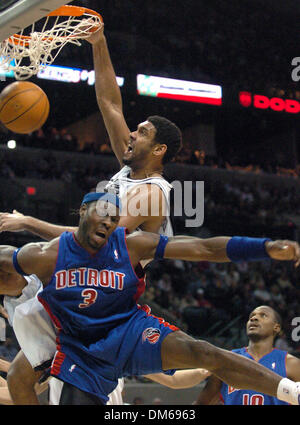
{"x":23,"y":40}
{"x":74,"y":11}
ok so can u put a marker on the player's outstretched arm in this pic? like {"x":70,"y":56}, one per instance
{"x":17,"y":222}
{"x":145,"y":245}
{"x":6,"y":263}
{"x":109,"y":96}
{"x":5,"y":398}
{"x":4,"y":365}
{"x":181,"y":379}
{"x":34,"y":258}
{"x":11,"y":284}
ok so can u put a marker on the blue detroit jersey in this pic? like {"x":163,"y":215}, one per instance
{"x":275,"y":361}
{"x":103,"y":333}
{"x":89,"y":295}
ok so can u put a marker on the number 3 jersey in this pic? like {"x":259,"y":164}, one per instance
{"x":89,"y":295}
{"x":275,"y":361}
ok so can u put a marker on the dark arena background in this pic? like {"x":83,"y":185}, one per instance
{"x":244,"y":145}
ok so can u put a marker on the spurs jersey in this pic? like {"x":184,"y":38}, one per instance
{"x":275,"y":361}
{"x":121,"y":184}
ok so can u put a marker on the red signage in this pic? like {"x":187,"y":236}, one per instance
{"x":30,"y":190}
{"x":274,"y":103}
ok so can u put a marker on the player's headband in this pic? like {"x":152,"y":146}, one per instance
{"x":104,"y":196}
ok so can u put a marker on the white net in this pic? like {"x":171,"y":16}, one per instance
{"x":25,"y":55}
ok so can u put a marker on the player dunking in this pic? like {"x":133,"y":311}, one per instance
{"x":263,"y":326}
{"x":91,"y":293}
{"x":141,"y":154}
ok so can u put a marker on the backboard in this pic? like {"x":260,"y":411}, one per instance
{"x":19,"y":14}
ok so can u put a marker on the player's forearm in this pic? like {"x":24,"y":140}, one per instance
{"x":5,"y":397}
{"x":107,"y":89}
{"x":213,"y":249}
{"x":195,"y":249}
{"x":181,"y":379}
{"x":236,"y":249}
{"x":45,"y":230}
{"x":189,"y":378}
{"x":4,"y":365}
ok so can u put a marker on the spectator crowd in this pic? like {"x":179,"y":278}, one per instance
{"x":51,"y":138}
{"x":207,"y":295}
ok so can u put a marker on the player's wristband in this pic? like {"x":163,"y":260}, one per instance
{"x":16,"y":264}
{"x":247,"y":249}
{"x":160,"y":249}
{"x":288,"y":391}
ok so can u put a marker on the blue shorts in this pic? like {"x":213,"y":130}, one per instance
{"x":132,"y":348}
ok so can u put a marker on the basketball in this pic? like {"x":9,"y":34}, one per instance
{"x":24,"y":107}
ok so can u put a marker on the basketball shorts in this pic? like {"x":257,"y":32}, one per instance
{"x":132,"y":348}
{"x":10,"y":303}
{"x":35,"y":333}
{"x":36,"y":336}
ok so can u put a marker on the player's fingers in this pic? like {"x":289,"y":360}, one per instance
{"x":293,"y":251}
{"x":2,"y":227}
{"x":5,"y":226}
{"x":3,"y":214}
{"x":297,"y":250}
{"x":297,"y":254}
{"x":285,"y":250}
{"x":15,"y":212}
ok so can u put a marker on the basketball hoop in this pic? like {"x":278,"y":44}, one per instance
{"x":27,"y":54}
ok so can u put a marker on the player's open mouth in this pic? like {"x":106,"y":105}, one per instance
{"x":101,"y":235}
{"x":253,"y":327}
